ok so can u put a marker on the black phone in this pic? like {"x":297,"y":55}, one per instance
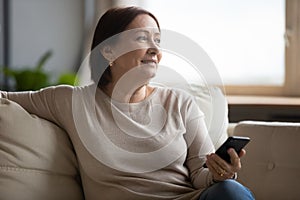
{"x":235,"y":142}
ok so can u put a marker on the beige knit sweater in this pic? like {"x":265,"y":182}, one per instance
{"x":153,"y":149}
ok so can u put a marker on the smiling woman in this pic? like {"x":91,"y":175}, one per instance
{"x":111,"y":29}
{"x":134,"y":140}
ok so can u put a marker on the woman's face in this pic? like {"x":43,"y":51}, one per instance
{"x":137,"y":48}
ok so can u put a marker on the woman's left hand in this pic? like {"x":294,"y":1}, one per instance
{"x":222,"y":170}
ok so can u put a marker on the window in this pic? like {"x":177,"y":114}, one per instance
{"x":253,"y":43}
{"x":31,"y":28}
{"x":3,"y":43}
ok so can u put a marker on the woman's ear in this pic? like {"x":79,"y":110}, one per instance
{"x":107,"y":53}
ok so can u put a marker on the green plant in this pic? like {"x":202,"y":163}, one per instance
{"x":34,"y":78}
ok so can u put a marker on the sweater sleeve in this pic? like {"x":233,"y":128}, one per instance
{"x":49,"y":103}
{"x":199,"y":145}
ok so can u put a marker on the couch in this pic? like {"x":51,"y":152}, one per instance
{"x":37,"y":160}
{"x":271,"y":168}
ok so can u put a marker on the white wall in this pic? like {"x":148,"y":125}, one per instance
{"x":1,"y":43}
{"x":1,"y":34}
{"x":41,"y":25}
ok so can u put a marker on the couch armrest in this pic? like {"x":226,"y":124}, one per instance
{"x":271,"y":168}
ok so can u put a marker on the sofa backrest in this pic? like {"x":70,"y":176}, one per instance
{"x":271,"y":168}
{"x":37,"y":160}
{"x":212,"y":102}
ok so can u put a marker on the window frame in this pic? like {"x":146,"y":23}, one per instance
{"x":292,"y":60}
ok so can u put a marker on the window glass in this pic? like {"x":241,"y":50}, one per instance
{"x":245,"y":39}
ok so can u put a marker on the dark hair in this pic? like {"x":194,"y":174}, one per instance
{"x":114,"y":21}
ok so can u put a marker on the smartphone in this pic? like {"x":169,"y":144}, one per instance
{"x":235,"y":142}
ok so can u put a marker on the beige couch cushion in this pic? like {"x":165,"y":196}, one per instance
{"x":213,"y":103}
{"x":271,"y":168}
{"x":37,"y":160}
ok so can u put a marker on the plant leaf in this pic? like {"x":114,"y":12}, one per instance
{"x":31,"y":80}
{"x":43,"y":60}
{"x":67,"y":78}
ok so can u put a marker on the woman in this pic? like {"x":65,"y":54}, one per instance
{"x":134,"y":141}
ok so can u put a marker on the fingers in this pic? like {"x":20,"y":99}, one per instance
{"x":235,"y":159}
{"x":242,"y":153}
{"x":220,"y":169}
{"x":218,"y":174}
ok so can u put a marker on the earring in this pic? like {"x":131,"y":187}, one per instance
{"x":111,"y":63}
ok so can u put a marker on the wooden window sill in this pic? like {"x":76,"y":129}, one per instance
{"x":263,"y":100}
{"x":263,"y":108}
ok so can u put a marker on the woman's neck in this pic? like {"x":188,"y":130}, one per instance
{"x":126,"y":95}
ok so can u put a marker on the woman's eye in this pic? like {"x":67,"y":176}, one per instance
{"x":142,"y":39}
{"x":157,"y":40}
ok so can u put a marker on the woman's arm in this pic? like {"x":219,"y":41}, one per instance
{"x":199,"y":146}
{"x":49,"y":103}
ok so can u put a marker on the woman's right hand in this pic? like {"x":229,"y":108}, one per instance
{"x":220,"y":169}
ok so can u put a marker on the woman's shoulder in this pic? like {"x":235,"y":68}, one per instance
{"x":58,"y":90}
{"x":180,"y":97}
{"x":176,"y":92}
{"x":174,"y":95}
{"x":67,"y":89}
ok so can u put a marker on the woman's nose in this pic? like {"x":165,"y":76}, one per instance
{"x":153,"y":48}
{"x":153,"y":51}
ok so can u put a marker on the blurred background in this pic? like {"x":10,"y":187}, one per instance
{"x":253,"y":43}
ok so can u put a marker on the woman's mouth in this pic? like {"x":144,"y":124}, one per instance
{"x":152,"y":62}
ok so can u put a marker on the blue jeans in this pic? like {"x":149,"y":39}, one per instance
{"x":226,"y":190}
